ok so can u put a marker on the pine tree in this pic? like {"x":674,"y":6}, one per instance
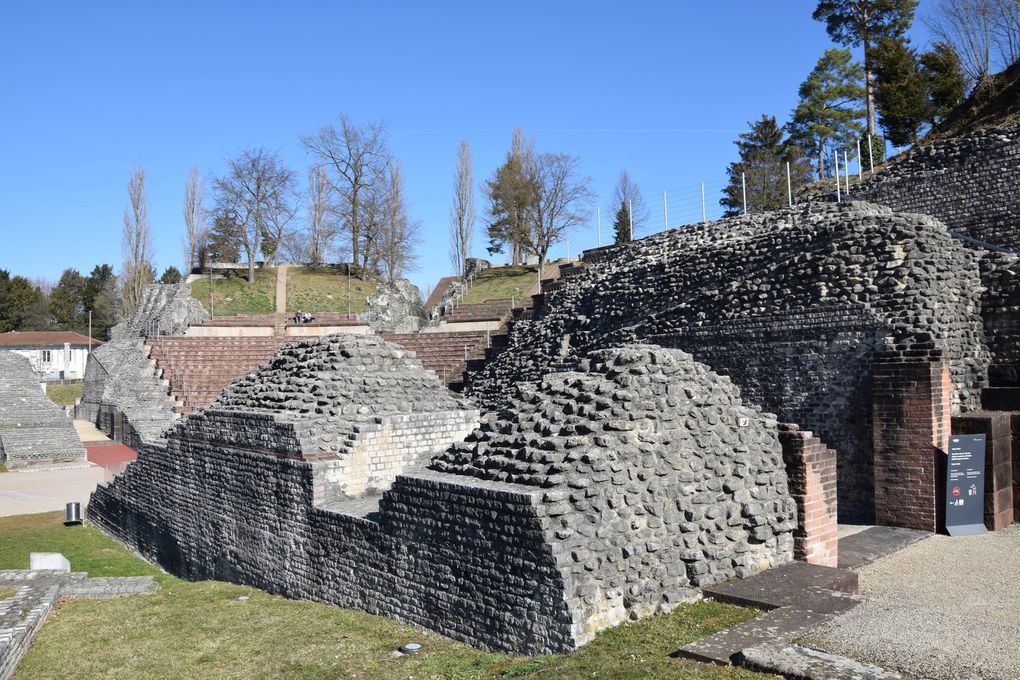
{"x":764,"y":153}
{"x":171,"y":275}
{"x":901,"y":94}
{"x":831,"y":108}
{"x":862,"y":23}
{"x":622,"y":227}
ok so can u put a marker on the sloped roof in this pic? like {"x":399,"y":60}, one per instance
{"x":44,"y":339}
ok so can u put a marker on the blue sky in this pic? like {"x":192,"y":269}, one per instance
{"x":89,"y":89}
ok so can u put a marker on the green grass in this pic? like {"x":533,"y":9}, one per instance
{"x":233,"y":295}
{"x":201,"y":630}
{"x":64,"y":395}
{"x":7,"y":592}
{"x":3,"y":468}
{"x":502,"y":283}
{"x":324,"y":289}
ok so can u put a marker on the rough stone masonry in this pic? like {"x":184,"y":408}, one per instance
{"x":33,"y":430}
{"x":602,"y":494}
{"x":793,"y":305}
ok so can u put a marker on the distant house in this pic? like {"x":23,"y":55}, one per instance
{"x":56,"y":355}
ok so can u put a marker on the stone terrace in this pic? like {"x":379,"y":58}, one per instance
{"x":33,"y":430}
{"x":793,"y":305}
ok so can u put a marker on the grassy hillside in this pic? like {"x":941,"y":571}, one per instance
{"x":324,"y":289}
{"x":233,"y":295}
{"x":500,"y":283}
{"x":201,"y":630}
{"x":311,"y":289}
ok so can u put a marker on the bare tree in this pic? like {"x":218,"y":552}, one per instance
{"x":969,"y":26}
{"x":196,"y":235}
{"x":629,"y":206}
{"x":136,"y":242}
{"x":259,"y":190}
{"x":462,"y":214}
{"x":399,"y":234}
{"x":356,"y":157}
{"x":322,"y":227}
{"x":985,"y":33}
{"x":562,"y":201}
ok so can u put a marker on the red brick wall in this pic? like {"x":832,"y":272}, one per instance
{"x":811,"y":469}
{"x":910,"y":432}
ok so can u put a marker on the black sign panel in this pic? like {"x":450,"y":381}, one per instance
{"x":965,"y":485}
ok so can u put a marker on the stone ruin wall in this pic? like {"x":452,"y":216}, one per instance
{"x":792,"y":305}
{"x":661,"y":489}
{"x":33,"y":430}
{"x":970,"y":183}
{"x":120,"y":379}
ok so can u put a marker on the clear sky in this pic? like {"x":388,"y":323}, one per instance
{"x":89,"y":89}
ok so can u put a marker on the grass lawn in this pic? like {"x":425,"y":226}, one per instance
{"x":324,"y":289}
{"x":201,"y":630}
{"x":233,"y":295}
{"x":502,"y":283}
{"x":64,"y":395}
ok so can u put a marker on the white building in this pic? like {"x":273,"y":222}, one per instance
{"x":56,"y":355}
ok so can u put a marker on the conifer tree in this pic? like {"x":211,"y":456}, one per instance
{"x":863,"y":23}
{"x":944,"y":80}
{"x":901,"y":94}
{"x":764,"y":153}
{"x":831,"y":108}
{"x":623,"y":230}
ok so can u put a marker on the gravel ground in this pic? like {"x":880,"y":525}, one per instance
{"x":943,"y":608}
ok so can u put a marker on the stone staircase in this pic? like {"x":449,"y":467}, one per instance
{"x":557,"y":278}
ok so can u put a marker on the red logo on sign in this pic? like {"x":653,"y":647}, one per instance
{"x":956,"y":491}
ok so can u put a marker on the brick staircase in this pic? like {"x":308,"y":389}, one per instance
{"x":198,"y":368}
{"x":490,"y":310}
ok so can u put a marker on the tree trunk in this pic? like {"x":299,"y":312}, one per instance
{"x":869,"y":79}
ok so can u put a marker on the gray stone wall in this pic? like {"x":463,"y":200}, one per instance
{"x":1000,"y":308}
{"x":674,"y":483}
{"x":33,"y":430}
{"x":164,"y":309}
{"x":792,"y":305}
{"x":970,"y":183}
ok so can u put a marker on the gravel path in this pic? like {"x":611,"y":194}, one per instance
{"x":944,"y":608}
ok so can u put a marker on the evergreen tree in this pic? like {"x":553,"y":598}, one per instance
{"x":171,"y":275}
{"x":67,"y":302}
{"x":945,"y":80}
{"x":101,"y":296}
{"x":862,"y":23}
{"x":622,"y":227}
{"x":20,"y":304}
{"x":831,"y":108}
{"x":764,"y":153}
{"x":225,"y":238}
{"x":901,"y":94}
{"x":512,"y":193}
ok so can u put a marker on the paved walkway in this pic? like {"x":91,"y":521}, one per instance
{"x":46,"y":490}
{"x":941,"y":608}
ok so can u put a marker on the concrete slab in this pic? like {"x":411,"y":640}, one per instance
{"x":47,"y":490}
{"x":88,"y":433}
{"x":791,"y":584}
{"x":873,"y":543}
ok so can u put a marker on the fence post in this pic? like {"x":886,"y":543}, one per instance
{"x":846,"y":172}
{"x":703,"y":218}
{"x":789,"y":188}
{"x":743,"y":189}
{"x":871,"y":156}
{"x":860,"y":163}
{"x":835,"y":156}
